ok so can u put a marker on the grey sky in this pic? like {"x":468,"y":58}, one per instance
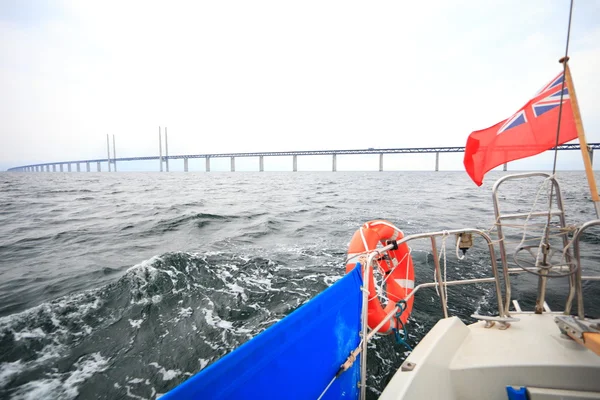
{"x":235,"y":76}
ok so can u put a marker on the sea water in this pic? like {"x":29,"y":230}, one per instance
{"x":123,"y":285}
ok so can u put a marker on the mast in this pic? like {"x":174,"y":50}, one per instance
{"x":587,"y":162}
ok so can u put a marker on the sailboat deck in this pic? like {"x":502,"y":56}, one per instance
{"x":474,"y":362}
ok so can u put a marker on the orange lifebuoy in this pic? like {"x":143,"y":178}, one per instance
{"x":395,"y":265}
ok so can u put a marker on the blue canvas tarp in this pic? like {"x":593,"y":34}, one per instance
{"x":293,"y":359}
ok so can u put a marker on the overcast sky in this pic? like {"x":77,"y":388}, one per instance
{"x":234,"y":76}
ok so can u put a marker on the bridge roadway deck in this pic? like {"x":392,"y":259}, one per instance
{"x":409,"y":150}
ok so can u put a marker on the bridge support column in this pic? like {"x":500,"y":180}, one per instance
{"x":295,"y":162}
{"x":69,"y":167}
{"x":334,"y":164}
{"x":47,"y":168}
{"x":61,"y":167}
{"x":261,"y":163}
{"x":591,"y":153}
{"x":108,"y":152}
{"x":504,"y":168}
{"x":160,"y":159}
{"x":380,"y":162}
{"x":207,"y":164}
{"x":166,"y":151}
{"x":87,"y":166}
{"x":98,"y":168}
{"x":232,"y":164}
{"x":114,"y":155}
{"x":53,"y":167}
{"x":185,"y":165}
{"x":78,"y":168}
{"x":437,"y":161}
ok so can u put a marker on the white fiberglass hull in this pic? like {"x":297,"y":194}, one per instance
{"x":455,"y":361}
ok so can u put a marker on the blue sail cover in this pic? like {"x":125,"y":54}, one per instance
{"x":294,"y":359}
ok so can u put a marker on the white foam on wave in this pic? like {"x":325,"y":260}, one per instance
{"x":143,"y":274}
{"x":65,"y":385}
{"x":40,"y":389}
{"x":7,"y":370}
{"x":215,"y":321}
{"x":64,"y":314}
{"x":263,"y":283}
{"x":136,"y":381}
{"x":235,"y":288}
{"x":185,"y":312}
{"x":331,"y":279}
{"x":84,"y":303}
{"x":167,"y":375}
{"x":136,"y":323}
{"x":225,"y":324}
{"x":146,"y":264}
{"x":33,"y":334}
{"x":85,"y":369}
{"x":203,"y":363}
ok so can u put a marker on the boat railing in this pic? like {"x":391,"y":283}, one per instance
{"x":578,"y":274}
{"x":542,"y":267}
{"x":369,"y":261}
{"x":572,"y":267}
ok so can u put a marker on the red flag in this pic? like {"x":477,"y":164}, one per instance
{"x":530,"y":131}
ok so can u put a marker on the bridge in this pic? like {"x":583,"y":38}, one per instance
{"x":164,"y":160}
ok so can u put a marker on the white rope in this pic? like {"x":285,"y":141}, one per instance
{"x":546,"y":226}
{"x":445,"y":267}
{"x":327,"y":388}
{"x":444,"y":280}
{"x":379,"y":287}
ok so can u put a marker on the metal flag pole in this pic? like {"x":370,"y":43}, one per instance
{"x":587,"y":162}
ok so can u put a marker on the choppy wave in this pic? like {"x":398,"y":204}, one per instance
{"x":162,"y":321}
